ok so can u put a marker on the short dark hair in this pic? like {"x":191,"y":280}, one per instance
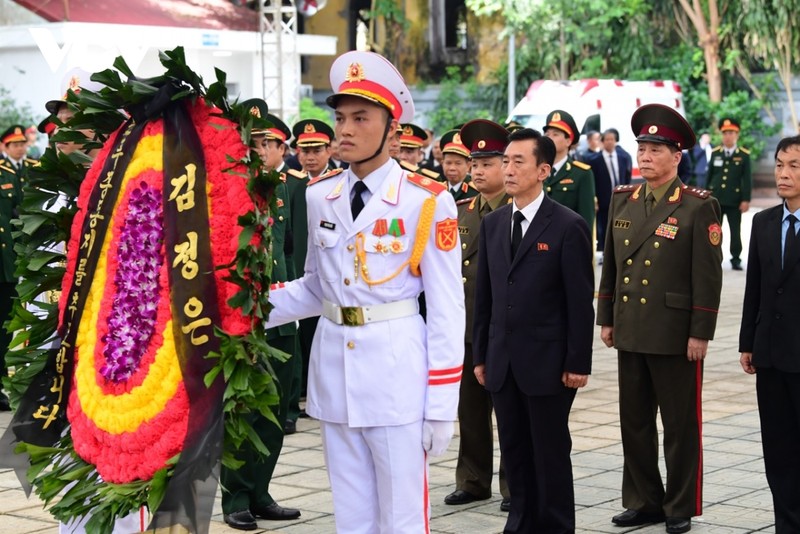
{"x":786,"y":142}
{"x":614,"y":132}
{"x":544,"y":150}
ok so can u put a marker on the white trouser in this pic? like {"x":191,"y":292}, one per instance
{"x":379,"y":478}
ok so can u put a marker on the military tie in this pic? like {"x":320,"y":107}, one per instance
{"x":357,"y":204}
{"x":614,"y":176}
{"x":649,"y":203}
{"x":516,"y":235}
{"x":790,"y":244}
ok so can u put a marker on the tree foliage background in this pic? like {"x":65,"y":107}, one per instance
{"x":658,"y":39}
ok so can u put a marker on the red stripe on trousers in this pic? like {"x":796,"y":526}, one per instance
{"x":699,"y":393}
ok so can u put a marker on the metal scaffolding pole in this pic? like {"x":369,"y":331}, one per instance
{"x":280,"y":61}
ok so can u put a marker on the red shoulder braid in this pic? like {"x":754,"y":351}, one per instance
{"x":696,"y":191}
{"x":432,"y":186}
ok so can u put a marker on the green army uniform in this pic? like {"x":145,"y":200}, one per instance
{"x":730,"y":180}
{"x":465,"y":191}
{"x":660,"y":286}
{"x":573,"y":186}
{"x":10,"y":199}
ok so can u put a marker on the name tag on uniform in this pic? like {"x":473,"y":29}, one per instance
{"x":718,"y":163}
{"x":463,"y":230}
{"x":667,"y":230}
{"x":327,"y":225}
{"x":619,"y":223}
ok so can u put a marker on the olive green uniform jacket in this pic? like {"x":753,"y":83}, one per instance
{"x":730,"y":179}
{"x":573,"y":186}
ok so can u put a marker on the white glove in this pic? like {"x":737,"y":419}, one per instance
{"x":436,"y":436}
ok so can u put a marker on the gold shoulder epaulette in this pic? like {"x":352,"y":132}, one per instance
{"x":426,"y":183}
{"x":283,"y":177}
{"x":429,"y":173}
{"x":696,"y":191}
{"x":625,"y":188}
{"x":465,"y":201}
{"x":716,"y":148}
{"x":297,"y":174}
{"x":6,"y":167}
{"x":31,"y":161}
{"x":407,"y":166}
{"x":581,"y":165}
{"x":325,"y":176}
{"x":745,"y":150}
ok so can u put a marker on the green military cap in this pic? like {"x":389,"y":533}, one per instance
{"x":278,"y":130}
{"x":728,"y":124}
{"x":450,"y":143}
{"x":412,"y":136}
{"x":563,"y":121}
{"x":512,"y":126}
{"x":657,"y":123}
{"x":484,"y":138}
{"x":13,"y":134}
{"x":258,"y":108}
{"x":312,"y":132}
{"x":47,"y":125}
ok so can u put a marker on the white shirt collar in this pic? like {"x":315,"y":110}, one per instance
{"x":560,"y":163}
{"x":531,"y":209}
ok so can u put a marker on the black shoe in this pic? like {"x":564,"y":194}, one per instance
{"x":303,"y":415}
{"x":505,"y":504}
{"x":241,"y":520}
{"x":736,"y":267}
{"x":289,"y":427}
{"x":462,"y":497}
{"x":632,"y":518}
{"x":5,"y":406}
{"x":275,"y":512}
{"x":677,"y":525}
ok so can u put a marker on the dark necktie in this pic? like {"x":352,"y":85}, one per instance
{"x":649,"y":203}
{"x":790,"y":244}
{"x":614,"y":177}
{"x":516,"y":234}
{"x":357,"y":204}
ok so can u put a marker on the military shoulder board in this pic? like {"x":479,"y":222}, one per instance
{"x":325,"y":176}
{"x":465,"y":201}
{"x":429,"y":173}
{"x":4,"y":165}
{"x":745,"y":150}
{"x":581,"y":165}
{"x":297,"y":174}
{"x":432,"y":186}
{"x":696,"y":191}
{"x":625,"y":188}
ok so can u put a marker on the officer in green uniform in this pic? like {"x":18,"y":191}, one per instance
{"x":412,"y":138}
{"x":730,"y":180}
{"x":245,"y":493}
{"x":475,"y":466}
{"x":571,"y":182}
{"x":13,"y":171}
{"x":657,"y":304}
{"x":312,"y":138}
{"x":455,"y":162}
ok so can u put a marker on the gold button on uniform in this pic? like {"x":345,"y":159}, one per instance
{"x":564,"y":189}
{"x":656,"y":244}
{"x":643,"y":300}
{"x":464,"y":246}
{"x":464,"y":280}
{"x":466,"y":262}
{"x":647,"y":263}
{"x":351,"y":345}
{"x":645,"y":282}
{"x":629,"y":262}
{"x":723,"y":187}
{"x":549,"y":189}
{"x":626,"y":279}
{"x":280,"y":217}
{"x":625,"y":298}
{"x":627,"y":242}
{"x":347,"y":281}
{"x":350,"y":248}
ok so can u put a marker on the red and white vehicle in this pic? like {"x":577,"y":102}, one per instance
{"x":596,"y":104}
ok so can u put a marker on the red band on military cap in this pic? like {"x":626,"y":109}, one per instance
{"x":456,"y":148}
{"x":488,"y":145}
{"x":49,"y":127}
{"x":375,"y":92}
{"x":659,"y":130}
{"x":561,"y":125}
{"x":14,"y":136}
{"x":275,"y":133}
{"x":410,"y":141}
{"x":314,"y":138}
{"x":729,"y":128}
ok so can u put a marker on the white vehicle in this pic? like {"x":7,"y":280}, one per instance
{"x":596,"y":104}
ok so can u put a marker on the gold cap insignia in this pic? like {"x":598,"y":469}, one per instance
{"x":481,"y":143}
{"x":408,"y":131}
{"x":355,"y":73}
{"x":255,"y":112}
{"x":309,"y":128}
{"x":457,"y":139}
{"x":727,"y":122}
{"x":556,"y":116}
{"x":17,"y":131}
{"x":74,"y":83}
{"x":653,"y":129}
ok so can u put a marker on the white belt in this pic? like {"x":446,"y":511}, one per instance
{"x":361,"y":315}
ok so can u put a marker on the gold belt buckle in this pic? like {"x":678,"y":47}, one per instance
{"x":352,"y":316}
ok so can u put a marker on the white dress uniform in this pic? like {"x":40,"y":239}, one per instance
{"x":396,"y":369}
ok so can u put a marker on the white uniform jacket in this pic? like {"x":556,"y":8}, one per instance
{"x":390,"y":372}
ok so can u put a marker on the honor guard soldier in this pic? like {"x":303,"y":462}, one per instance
{"x":245,"y":491}
{"x":12,"y":177}
{"x":411,"y":139}
{"x":312,"y":138}
{"x":571,"y":182}
{"x":455,"y":162}
{"x":383,"y":382}
{"x":657,"y":305}
{"x":487,"y":141}
{"x":730,"y":180}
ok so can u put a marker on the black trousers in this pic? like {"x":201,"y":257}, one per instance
{"x":536,"y":445}
{"x":779,"y":408}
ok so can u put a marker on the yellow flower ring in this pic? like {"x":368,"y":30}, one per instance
{"x":129,"y":429}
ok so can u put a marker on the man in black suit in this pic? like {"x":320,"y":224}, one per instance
{"x":769,"y":340}
{"x":532,"y":335}
{"x":612,"y":166}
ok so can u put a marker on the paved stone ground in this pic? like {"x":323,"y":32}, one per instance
{"x":736,"y":496}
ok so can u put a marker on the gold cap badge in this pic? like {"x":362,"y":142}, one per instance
{"x":481,"y":143}
{"x":653,"y":129}
{"x":457,"y":139}
{"x":408,"y":131}
{"x":355,"y":73}
{"x":309,"y":128}
{"x":255,"y":112}
{"x":556,"y":116}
